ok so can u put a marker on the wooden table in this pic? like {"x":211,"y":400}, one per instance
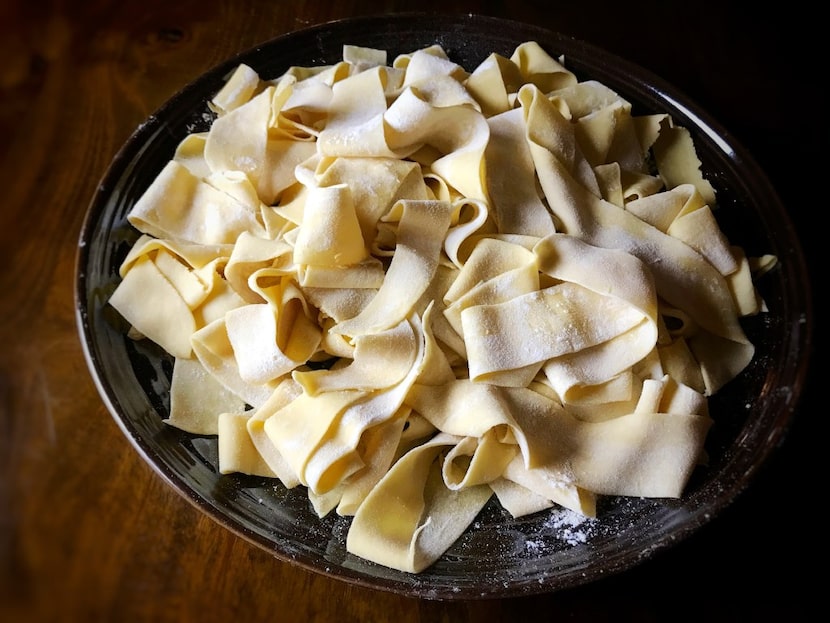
{"x":88,"y":532}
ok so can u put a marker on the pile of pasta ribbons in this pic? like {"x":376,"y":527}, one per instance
{"x":409,"y":288}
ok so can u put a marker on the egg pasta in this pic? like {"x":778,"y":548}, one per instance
{"x":412,"y":288}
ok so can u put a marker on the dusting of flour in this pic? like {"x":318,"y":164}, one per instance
{"x":570,"y":526}
{"x":564,"y":525}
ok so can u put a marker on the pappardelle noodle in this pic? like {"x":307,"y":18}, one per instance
{"x":409,"y":287}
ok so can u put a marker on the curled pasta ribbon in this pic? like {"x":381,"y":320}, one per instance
{"x":624,"y":300}
{"x":261,"y":445}
{"x":253,"y":258}
{"x":214,"y":351}
{"x":411,"y":517}
{"x":330,"y":233}
{"x":682,"y":213}
{"x":251,"y":347}
{"x":625,"y":452}
{"x":511,"y":179}
{"x":264,"y":347}
{"x":189,"y":292}
{"x":495,"y":271}
{"x":412,"y":121}
{"x":180,"y":206}
{"x":375,"y":185}
{"x":355,"y":118}
{"x":379,"y":360}
{"x":238,"y":141}
{"x":537,"y":67}
{"x":421,"y":230}
{"x":328,"y":452}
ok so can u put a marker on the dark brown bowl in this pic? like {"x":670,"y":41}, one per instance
{"x":498,"y":556}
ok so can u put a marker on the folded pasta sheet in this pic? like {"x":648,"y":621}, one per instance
{"x":414,"y":288}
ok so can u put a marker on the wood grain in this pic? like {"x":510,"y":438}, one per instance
{"x":88,"y":532}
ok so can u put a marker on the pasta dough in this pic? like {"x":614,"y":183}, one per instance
{"x":412,"y":288}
